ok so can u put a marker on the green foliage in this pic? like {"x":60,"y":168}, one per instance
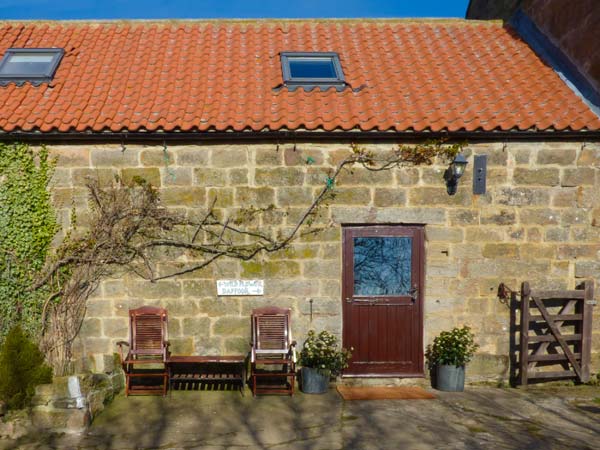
{"x":321,"y":351}
{"x":455,"y":347}
{"x":22,"y":368}
{"x":27,"y":227}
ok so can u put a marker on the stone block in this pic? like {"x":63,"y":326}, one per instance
{"x":113,"y":288}
{"x":98,"y":345}
{"x":114,"y":328}
{"x":320,"y":305}
{"x":330,"y":251}
{"x":329,"y":234}
{"x":176,"y":176}
{"x":99,"y":307}
{"x":523,"y":196}
{"x":561,"y":157}
{"x":182,"y":307}
{"x":322,"y":269}
{"x":570,"y":251}
{"x":70,"y":155}
{"x":251,"y":303}
{"x":114,"y":157}
{"x":220,"y":306}
{"x":61,"y":178}
{"x":565,"y":198}
{"x":191,"y":156}
{"x":596,"y":217}
{"x":229,"y":326}
{"x":353,"y":214}
{"x":223,"y":196}
{"x":556,"y":234}
{"x":520,"y":156}
{"x":537,"y":251}
{"x":389,"y":197}
{"x":237,"y":177}
{"x":257,"y":197}
{"x":300,"y":156}
{"x":148,"y":174}
{"x":460,"y":216}
{"x":435,"y":216}
{"x":269,"y":156}
{"x":352,"y":196}
{"x":91,"y":327}
{"x":578,"y":177}
{"x":539,"y":177}
{"x":439,"y":196}
{"x":195,"y":326}
{"x":360,"y":176}
{"x":489,"y":366}
{"x":159,"y":290}
{"x":183,"y":196}
{"x":336,"y":156}
{"x":329,"y":288}
{"x":156,"y":157}
{"x":270,"y":269}
{"x":589,"y":156}
{"x":185,"y":345}
{"x":577,"y":216}
{"x":294,"y":196}
{"x":442,"y":269}
{"x":497,"y":155}
{"x":500,"y":251}
{"x":407,"y":176}
{"x":237,"y":345}
{"x":105,"y":176}
{"x":235,"y":156}
{"x":498,"y":216}
{"x":210,"y":177}
{"x":279,"y":176}
{"x":444,"y":234}
{"x":539,"y":216}
{"x":290,"y":287}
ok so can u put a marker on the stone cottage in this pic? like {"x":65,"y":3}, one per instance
{"x":256,"y":112}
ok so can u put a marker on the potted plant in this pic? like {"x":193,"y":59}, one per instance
{"x":321,"y":358}
{"x":450,"y":351}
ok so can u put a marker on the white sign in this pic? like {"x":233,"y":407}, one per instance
{"x":240,"y":287}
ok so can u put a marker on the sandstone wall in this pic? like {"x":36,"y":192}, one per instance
{"x":538,"y":221}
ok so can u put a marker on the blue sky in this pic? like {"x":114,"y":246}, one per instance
{"x":162,"y":9}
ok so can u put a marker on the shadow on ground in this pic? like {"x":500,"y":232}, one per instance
{"x":480,"y":418}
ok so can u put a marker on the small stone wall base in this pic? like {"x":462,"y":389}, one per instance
{"x":67,"y":405}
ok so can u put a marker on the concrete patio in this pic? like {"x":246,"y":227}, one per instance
{"x":557,"y":417}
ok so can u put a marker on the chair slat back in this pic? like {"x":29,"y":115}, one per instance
{"x":271,"y":329}
{"x":148,"y":330}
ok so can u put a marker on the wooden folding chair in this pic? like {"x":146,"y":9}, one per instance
{"x":148,"y":346}
{"x":273,"y":352}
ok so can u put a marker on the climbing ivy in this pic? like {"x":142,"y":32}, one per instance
{"x":27,"y":227}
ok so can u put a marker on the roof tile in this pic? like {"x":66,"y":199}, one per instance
{"x":402,"y":75}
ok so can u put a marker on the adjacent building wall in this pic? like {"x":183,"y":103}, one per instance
{"x":538,"y":221}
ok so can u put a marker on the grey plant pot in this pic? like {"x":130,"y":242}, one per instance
{"x":450,"y":378}
{"x":313,"y":381}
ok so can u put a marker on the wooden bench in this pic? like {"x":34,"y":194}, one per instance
{"x":187,"y":372}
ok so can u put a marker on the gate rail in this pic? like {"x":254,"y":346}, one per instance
{"x":576,"y":308}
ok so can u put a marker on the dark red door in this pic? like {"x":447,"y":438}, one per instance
{"x":383,"y":270}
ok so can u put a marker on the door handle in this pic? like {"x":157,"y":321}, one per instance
{"x":414,"y":294}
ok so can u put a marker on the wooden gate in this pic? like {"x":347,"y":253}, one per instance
{"x":561,"y":334}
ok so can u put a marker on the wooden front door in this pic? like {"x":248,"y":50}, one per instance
{"x":383,"y":270}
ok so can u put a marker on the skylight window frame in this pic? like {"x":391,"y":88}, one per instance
{"x":20,"y":78}
{"x":289,"y":80}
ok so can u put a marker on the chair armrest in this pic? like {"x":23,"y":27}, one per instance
{"x":252,"y":352}
{"x":293,"y":351}
{"x":121,"y":344}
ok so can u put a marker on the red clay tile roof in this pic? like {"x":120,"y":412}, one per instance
{"x":196,"y":76}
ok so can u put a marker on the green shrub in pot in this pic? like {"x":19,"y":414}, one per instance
{"x":321,"y":357}
{"x":449,"y":354}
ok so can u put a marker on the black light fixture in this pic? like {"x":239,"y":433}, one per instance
{"x":454,"y":172}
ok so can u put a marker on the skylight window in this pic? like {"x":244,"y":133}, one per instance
{"x":312,"y":69}
{"x":36,"y":65}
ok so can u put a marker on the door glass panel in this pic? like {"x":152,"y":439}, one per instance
{"x":382,"y":265}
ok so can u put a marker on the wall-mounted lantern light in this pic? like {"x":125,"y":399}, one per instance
{"x":454,"y":172}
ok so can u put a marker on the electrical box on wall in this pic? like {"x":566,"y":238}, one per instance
{"x":479,"y":174}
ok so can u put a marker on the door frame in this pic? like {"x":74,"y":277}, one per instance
{"x":347,"y":265}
